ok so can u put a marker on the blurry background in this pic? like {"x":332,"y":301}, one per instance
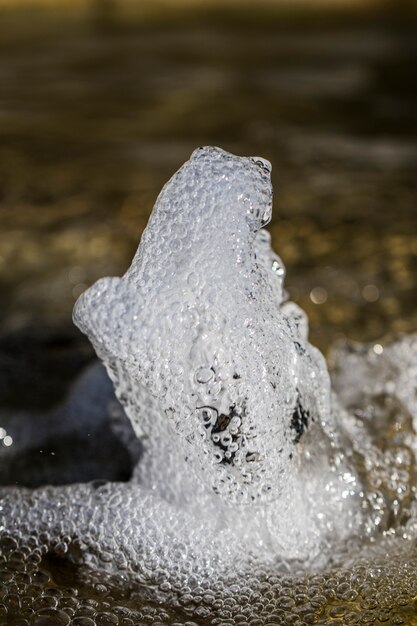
{"x":102,"y":100}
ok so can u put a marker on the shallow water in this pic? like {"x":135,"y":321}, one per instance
{"x":94,"y":120}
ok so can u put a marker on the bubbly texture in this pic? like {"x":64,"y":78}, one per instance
{"x":198,"y":324}
{"x":261,"y":493}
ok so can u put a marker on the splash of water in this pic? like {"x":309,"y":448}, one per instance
{"x":214,"y":368}
{"x":252,"y":465}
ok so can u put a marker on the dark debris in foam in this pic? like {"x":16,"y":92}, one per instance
{"x":299,"y":420}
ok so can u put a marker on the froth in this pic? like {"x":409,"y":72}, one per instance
{"x":255,"y":476}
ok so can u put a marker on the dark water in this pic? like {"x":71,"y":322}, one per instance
{"x":94,"y":119}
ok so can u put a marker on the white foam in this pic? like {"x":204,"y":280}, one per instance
{"x":252,"y":465}
{"x":212,"y":365}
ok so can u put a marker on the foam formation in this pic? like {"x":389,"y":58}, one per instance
{"x":263,"y":494}
{"x":198,"y":323}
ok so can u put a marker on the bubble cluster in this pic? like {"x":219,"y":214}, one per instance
{"x":206,"y":355}
{"x":41,"y":588}
{"x":260,"y":495}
